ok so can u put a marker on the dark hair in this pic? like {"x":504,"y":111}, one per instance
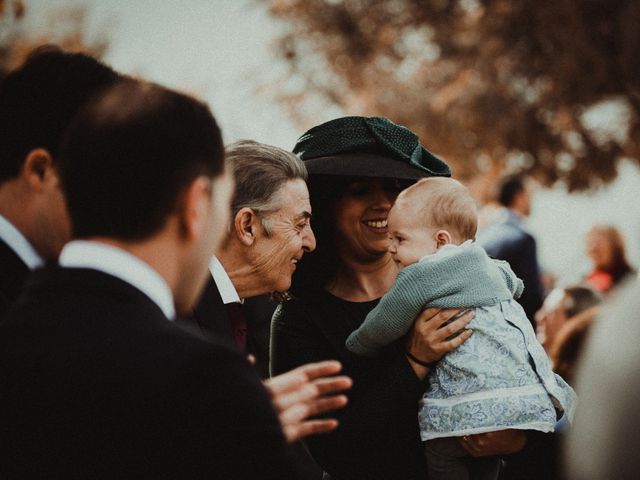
{"x":567,"y":347}
{"x":128,"y":156}
{"x":318,"y":267}
{"x":39,"y":99}
{"x":508,"y":188}
{"x":578,"y":299}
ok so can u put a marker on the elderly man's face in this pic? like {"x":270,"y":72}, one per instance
{"x":287,"y":237}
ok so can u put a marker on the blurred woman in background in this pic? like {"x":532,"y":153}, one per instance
{"x":605,"y":247}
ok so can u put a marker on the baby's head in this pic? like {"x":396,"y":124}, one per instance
{"x":433,"y":212}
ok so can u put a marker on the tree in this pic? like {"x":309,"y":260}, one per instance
{"x":66,"y":28}
{"x":490,"y":85}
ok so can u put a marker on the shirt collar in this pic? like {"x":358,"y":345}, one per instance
{"x":19,"y":244}
{"x":123,"y":265}
{"x":226,"y":288}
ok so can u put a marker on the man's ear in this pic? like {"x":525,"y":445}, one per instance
{"x":193,"y":210}
{"x":245,"y":225}
{"x":442,"y":237}
{"x":38,"y":168}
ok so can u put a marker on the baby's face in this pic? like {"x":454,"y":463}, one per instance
{"x":410,"y":239}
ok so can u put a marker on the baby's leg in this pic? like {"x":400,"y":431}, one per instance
{"x":448,"y":460}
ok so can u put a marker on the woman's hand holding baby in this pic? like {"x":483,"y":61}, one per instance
{"x":435,"y":333}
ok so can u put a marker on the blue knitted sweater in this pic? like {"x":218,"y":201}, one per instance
{"x":455,"y":276}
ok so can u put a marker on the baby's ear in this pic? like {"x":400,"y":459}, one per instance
{"x":442,"y":237}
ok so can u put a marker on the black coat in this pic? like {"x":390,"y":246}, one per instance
{"x":96,"y":382}
{"x":13,"y":273}
{"x":378,"y":436}
{"x":213,"y":321}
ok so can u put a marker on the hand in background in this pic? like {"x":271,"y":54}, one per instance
{"x":307,"y":391}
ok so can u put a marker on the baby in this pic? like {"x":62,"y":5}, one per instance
{"x":500,"y":378}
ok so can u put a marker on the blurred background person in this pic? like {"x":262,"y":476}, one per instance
{"x":37,"y":102}
{"x":605,"y":437}
{"x":566,"y":348}
{"x":606,"y":249}
{"x":508,"y":239}
{"x":559,"y":306}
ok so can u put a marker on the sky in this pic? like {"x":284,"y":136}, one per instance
{"x":223,"y":51}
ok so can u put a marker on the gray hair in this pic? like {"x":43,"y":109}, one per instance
{"x":259,"y":172}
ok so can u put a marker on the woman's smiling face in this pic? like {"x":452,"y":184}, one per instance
{"x":361,"y":218}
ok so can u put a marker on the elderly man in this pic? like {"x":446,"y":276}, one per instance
{"x":268,"y":234}
{"x":37,"y":102}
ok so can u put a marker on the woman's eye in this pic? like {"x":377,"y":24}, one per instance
{"x":396,"y":186}
{"x":358,"y":190}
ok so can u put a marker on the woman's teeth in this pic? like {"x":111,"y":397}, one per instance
{"x":377,"y":223}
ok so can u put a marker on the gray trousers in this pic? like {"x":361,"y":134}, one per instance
{"x":448,"y":460}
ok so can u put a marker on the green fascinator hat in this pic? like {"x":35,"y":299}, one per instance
{"x":367,"y":147}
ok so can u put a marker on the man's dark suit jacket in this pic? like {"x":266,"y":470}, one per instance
{"x":13,"y":273}
{"x":213,"y":321}
{"x":96,"y":382}
{"x":508,"y":240}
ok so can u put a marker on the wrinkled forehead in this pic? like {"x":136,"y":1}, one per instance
{"x":292,"y":198}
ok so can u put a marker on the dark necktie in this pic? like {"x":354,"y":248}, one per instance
{"x":238,"y":324}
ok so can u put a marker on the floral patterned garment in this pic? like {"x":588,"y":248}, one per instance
{"x":500,"y":378}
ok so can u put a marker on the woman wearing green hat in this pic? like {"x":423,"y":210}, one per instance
{"x":357,"y":166}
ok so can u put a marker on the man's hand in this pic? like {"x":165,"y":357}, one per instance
{"x":503,"y":442}
{"x":304,"y":392}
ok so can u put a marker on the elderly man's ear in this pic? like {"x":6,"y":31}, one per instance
{"x":245,"y":225}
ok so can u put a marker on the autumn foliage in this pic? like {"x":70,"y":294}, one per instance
{"x":547,"y":87}
{"x":66,"y":28}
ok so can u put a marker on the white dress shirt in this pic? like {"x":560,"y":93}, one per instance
{"x":19,"y":244}
{"x":227,"y":291}
{"x":123,"y":265}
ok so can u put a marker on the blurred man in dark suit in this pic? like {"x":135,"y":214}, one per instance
{"x":508,"y":239}
{"x":37,"y":102}
{"x":97,"y":379}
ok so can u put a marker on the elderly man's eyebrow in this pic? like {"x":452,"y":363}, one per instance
{"x":304,"y":215}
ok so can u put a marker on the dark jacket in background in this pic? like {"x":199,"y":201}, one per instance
{"x":508,"y":240}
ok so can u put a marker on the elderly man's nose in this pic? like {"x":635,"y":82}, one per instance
{"x":309,"y":240}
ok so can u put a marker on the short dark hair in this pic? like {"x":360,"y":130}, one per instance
{"x":129,"y":155}
{"x":508,"y":189}
{"x":39,"y":99}
{"x":579,"y":298}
